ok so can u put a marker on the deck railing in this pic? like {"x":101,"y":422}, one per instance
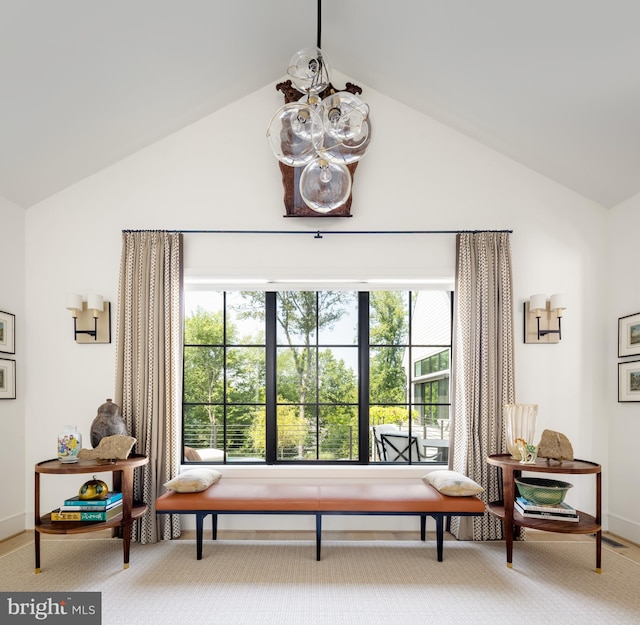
{"x":300,"y":442}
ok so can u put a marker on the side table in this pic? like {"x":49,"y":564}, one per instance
{"x":122,"y":471}
{"x":511,"y":518}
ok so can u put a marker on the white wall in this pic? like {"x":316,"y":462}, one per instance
{"x":220,"y":174}
{"x":622,"y":419}
{"x":12,"y":428}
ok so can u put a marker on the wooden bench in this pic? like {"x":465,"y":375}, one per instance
{"x":411,"y":497}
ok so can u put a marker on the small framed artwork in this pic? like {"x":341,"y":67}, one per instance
{"x":7,"y":333}
{"x":7,"y":379}
{"x":629,"y":335}
{"x":629,"y":381}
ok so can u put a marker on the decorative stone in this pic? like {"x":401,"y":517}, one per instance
{"x":116,"y":447}
{"x":555,"y":445}
{"x":108,"y":422}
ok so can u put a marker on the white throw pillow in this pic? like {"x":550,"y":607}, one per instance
{"x":452,"y":483}
{"x":193,"y":480}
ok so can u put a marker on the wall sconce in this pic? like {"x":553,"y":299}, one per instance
{"x":543,"y":319}
{"x":93,"y":316}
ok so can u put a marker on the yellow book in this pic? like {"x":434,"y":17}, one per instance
{"x":57,"y":515}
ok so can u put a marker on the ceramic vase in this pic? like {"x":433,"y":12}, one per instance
{"x":108,"y":422}
{"x":520,"y":425}
{"x":69,"y":444}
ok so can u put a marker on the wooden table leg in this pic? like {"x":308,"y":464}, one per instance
{"x":599,"y":522}
{"x":508,"y":488}
{"x":508,"y":538}
{"x":36,"y":509}
{"x":126,"y":544}
{"x":124,"y":481}
{"x":36,"y":542}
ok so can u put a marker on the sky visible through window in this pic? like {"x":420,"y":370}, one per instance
{"x":343,"y":333}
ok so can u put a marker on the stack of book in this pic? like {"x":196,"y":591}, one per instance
{"x":76,"y":509}
{"x":561,"y":512}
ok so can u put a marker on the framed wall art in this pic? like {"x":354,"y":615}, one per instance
{"x":7,"y":378}
{"x":7,"y":333}
{"x":629,"y":335}
{"x":629,"y":381}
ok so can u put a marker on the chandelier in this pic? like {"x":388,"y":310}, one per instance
{"x":320,"y":133}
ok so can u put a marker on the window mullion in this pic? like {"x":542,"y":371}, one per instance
{"x":363,"y":377}
{"x":271,"y":392}
{"x":317,"y":384}
{"x":225,"y":353}
{"x":409,"y":387}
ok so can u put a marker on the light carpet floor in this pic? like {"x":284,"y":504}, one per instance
{"x":242,"y":582}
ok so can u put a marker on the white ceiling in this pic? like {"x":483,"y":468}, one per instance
{"x":554,"y":84}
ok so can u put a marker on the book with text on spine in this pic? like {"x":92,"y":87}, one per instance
{"x":561,"y":508}
{"x":91,"y":508}
{"x":112,"y":497}
{"x":547,"y":515}
{"x":58,"y":515}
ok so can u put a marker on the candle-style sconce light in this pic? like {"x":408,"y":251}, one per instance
{"x":543,"y":318}
{"x":91,"y":318}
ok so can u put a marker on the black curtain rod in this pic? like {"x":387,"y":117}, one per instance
{"x":318,"y":233}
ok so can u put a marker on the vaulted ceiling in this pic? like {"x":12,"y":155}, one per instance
{"x":553,"y":84}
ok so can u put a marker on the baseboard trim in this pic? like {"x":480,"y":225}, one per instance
{"x":625,"y":528}
{"x":12,"y":526}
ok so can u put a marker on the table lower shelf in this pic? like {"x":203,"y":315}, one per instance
{"x":47,"y":526}
{"x":586,"y":524}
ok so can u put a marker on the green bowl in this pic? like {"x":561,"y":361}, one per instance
{"x":542,"y":491}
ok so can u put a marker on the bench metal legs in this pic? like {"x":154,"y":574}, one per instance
{"x":439,"y":519}
{"x":200,"y":516}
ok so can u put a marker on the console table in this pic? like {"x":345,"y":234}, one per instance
{"x":511,"y":518}
{"x":122,"y":471}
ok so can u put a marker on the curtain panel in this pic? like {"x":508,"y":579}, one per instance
{"x":148,"y":364}
{"x":483,"y":368}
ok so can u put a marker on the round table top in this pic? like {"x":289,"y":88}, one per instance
{"x":90,"y":465}
{"x":544,"y":465}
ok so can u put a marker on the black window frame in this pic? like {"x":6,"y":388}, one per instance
{"x":363,"y":403}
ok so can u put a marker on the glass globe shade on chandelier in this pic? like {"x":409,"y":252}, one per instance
{"x":319,"y":129}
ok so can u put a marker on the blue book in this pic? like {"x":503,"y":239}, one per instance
{"x":112,"y":498}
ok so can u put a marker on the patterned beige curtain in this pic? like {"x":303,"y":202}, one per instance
{"x":149,"y":366}
{"x":483,"y":368}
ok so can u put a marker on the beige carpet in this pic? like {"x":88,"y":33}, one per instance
{"x":369,"y":582}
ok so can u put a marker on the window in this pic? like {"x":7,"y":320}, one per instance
{"x":308,"y":376}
